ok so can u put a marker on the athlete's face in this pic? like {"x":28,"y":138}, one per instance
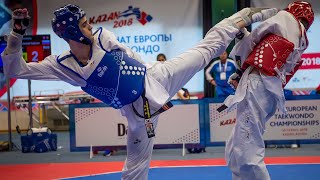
{"x":304,"y":22}
{"x":86,"y":28}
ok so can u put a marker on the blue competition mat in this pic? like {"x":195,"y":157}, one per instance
{"x":281,"y":172}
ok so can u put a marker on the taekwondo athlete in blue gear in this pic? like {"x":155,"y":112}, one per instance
{"x":125,"y":76}
{"x":86,"y":65}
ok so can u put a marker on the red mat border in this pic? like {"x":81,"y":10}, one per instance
{"x":64,"y":170}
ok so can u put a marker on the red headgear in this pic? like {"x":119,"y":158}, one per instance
{"x":303,"y":10}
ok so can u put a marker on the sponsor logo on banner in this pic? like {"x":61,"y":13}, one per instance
{"x":122,"y":18}
{"x":3,"y":107}
{"x":35,"y":106}
{"x":300,"y":122}
{"x":122,"y":130}
{"x":310,"y":61}
{"x":228,"y":122}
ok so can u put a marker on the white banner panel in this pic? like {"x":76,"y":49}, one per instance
{"x":106,"y":127}
{"x":301,"y":122}
{"x":148,"y":27}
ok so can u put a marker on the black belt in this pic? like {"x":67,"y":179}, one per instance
{"x":147,"y":114}
{"x":222,"y":108}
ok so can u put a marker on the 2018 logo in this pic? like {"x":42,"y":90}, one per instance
{"x":124,"y":18}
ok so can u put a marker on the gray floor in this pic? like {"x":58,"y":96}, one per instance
{"x":63,"y":153}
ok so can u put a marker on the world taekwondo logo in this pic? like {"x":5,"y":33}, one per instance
{"x":141,"y":16}
{"x":101,"y":70}
{"x":123,"y":18}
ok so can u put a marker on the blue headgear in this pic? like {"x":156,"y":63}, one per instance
{"x":66,"y":23}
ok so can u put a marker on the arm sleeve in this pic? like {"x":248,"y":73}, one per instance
{"x":241,"y":35}
{"x":16,"y":67}
{"x":245,"y":46}
{"x":109,"y":42}
{"x":208,"y":70}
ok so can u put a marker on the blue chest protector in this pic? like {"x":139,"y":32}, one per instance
{"x":118,"y":80}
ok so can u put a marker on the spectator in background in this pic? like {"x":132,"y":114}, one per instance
{"x":183,"y":93}
{"x":161,"y":57}
{"x":218,"y":74}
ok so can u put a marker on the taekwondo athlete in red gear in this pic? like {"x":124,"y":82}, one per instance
{"x":115,"y":74}
{"x":270,"y":56}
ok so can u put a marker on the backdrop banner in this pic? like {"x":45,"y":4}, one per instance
{"x":104,"y":126}
{"x":301,"y":122}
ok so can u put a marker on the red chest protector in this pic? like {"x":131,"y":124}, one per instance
{"x":270,"y":54}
